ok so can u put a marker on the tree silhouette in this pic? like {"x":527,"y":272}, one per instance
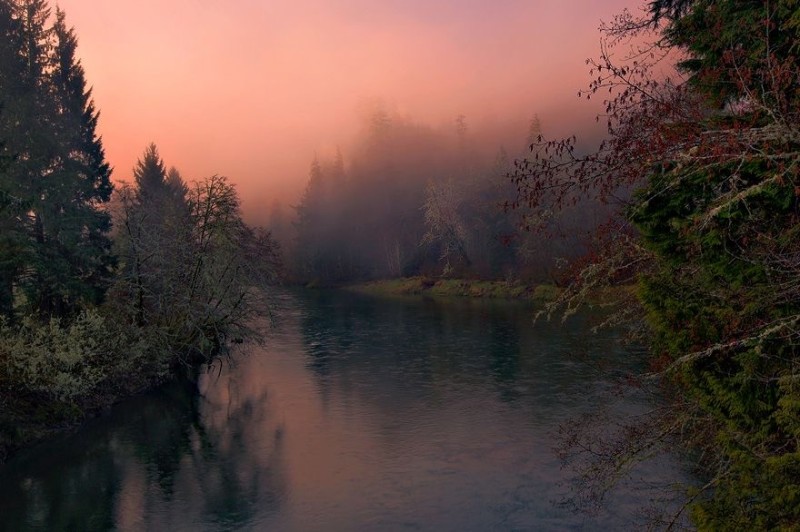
{"x":57,"y":169}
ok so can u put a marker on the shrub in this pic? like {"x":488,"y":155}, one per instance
{"x":67,"y":361}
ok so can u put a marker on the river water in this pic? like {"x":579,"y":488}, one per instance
{"x":357,"y":413}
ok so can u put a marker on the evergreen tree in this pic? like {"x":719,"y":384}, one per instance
{"x":176,"y":186}
{"x":309,"y":223}
{"x":157,"y":234}
{"x":735,"y":45}
{"x":12,"y":239}
{"x":58,"y":169}
{"x":12,"y":220}
{"x":81,"y":174}
{"x":723,"y":227}
{"x":716,"y":165}
{"x":150,"y":176}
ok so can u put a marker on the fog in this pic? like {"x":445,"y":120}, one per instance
{"x":409,"y":199}
{"x":254,"y":89}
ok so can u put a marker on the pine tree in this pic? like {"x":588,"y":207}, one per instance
{"x":81,"y":174}
{"x":157,"y":234}
{"x":308,"y":223}
{"x":176,"y":186}
{"x":723,"y":227}
{"x":12,"y":239}
{"x":12,"y":228}
{"x":58,"y":169}
{"x":28,"y":129}
{"x":734,"y":46}
{"x":150,"y":176}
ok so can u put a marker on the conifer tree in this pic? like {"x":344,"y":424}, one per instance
{"x":150,"y":176}
{"x":80,"y":171}
{"x":177,"y":187}
{"x":58,"y":168}
{"x":157,"y":233}
{"x":308,"y":225}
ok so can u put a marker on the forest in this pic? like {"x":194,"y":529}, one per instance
{"x":689,"y":207}
{"x":105,"y":290}
{"x":414,"y":200}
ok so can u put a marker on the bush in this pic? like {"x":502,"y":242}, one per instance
{"x":68,"y":361}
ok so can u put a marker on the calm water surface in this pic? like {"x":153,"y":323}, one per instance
{"x":357,"y":414}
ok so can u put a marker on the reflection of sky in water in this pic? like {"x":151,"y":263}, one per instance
{"x":358,"y":414}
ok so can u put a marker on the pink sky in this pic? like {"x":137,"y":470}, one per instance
{"x":252,"y":89}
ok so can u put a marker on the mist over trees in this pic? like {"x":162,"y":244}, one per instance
{"x":693,"y":198}
{"x":411,"y":199}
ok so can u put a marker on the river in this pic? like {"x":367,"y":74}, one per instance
{"x":356,"y":413}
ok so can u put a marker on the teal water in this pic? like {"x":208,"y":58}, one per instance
{"x":357,"y":413}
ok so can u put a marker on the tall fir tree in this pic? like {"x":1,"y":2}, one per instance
{"x":80,"y":175}
{"x":150,"y":176}
{"x":156,"y":241}
{"x":58,"y":168}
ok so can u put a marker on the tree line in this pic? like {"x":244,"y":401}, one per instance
{"x":414,"y":200}
{"x":103,"y":290}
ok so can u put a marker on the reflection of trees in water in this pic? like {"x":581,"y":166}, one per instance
{"x":222,"y":452}
{"x":407,"y":345}
{"x":243,"y":445}
{"x":504,"y":351}
{"x":44,"y":502}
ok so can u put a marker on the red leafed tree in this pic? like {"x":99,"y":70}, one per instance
{"x":703,"y":159}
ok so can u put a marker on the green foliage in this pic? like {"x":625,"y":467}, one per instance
{"x":729,"y":40}
{"x":713,"y":159}
{"x":69,"y":361}
{"x":190,"y":273}
{"x":724,"y":239}
{"x":722,"y":220}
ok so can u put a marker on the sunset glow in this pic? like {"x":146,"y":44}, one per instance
{"x":253,"y":89}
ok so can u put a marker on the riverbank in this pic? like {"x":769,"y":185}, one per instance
{"x":55,"y":375}
{"x":542,"y":294}
{"x":27,"y":418}
{"x":427,"y":286}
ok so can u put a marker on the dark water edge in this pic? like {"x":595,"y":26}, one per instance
{"x":357,"y":413}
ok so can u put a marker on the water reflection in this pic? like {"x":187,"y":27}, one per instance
{"x":403,"y":347}
{"x":170,"y":461}
{"x":357,"y":414}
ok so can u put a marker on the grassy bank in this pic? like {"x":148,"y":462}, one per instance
{"x":458,"y":288}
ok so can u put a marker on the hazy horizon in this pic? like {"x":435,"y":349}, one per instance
{"x":254,"y":90}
